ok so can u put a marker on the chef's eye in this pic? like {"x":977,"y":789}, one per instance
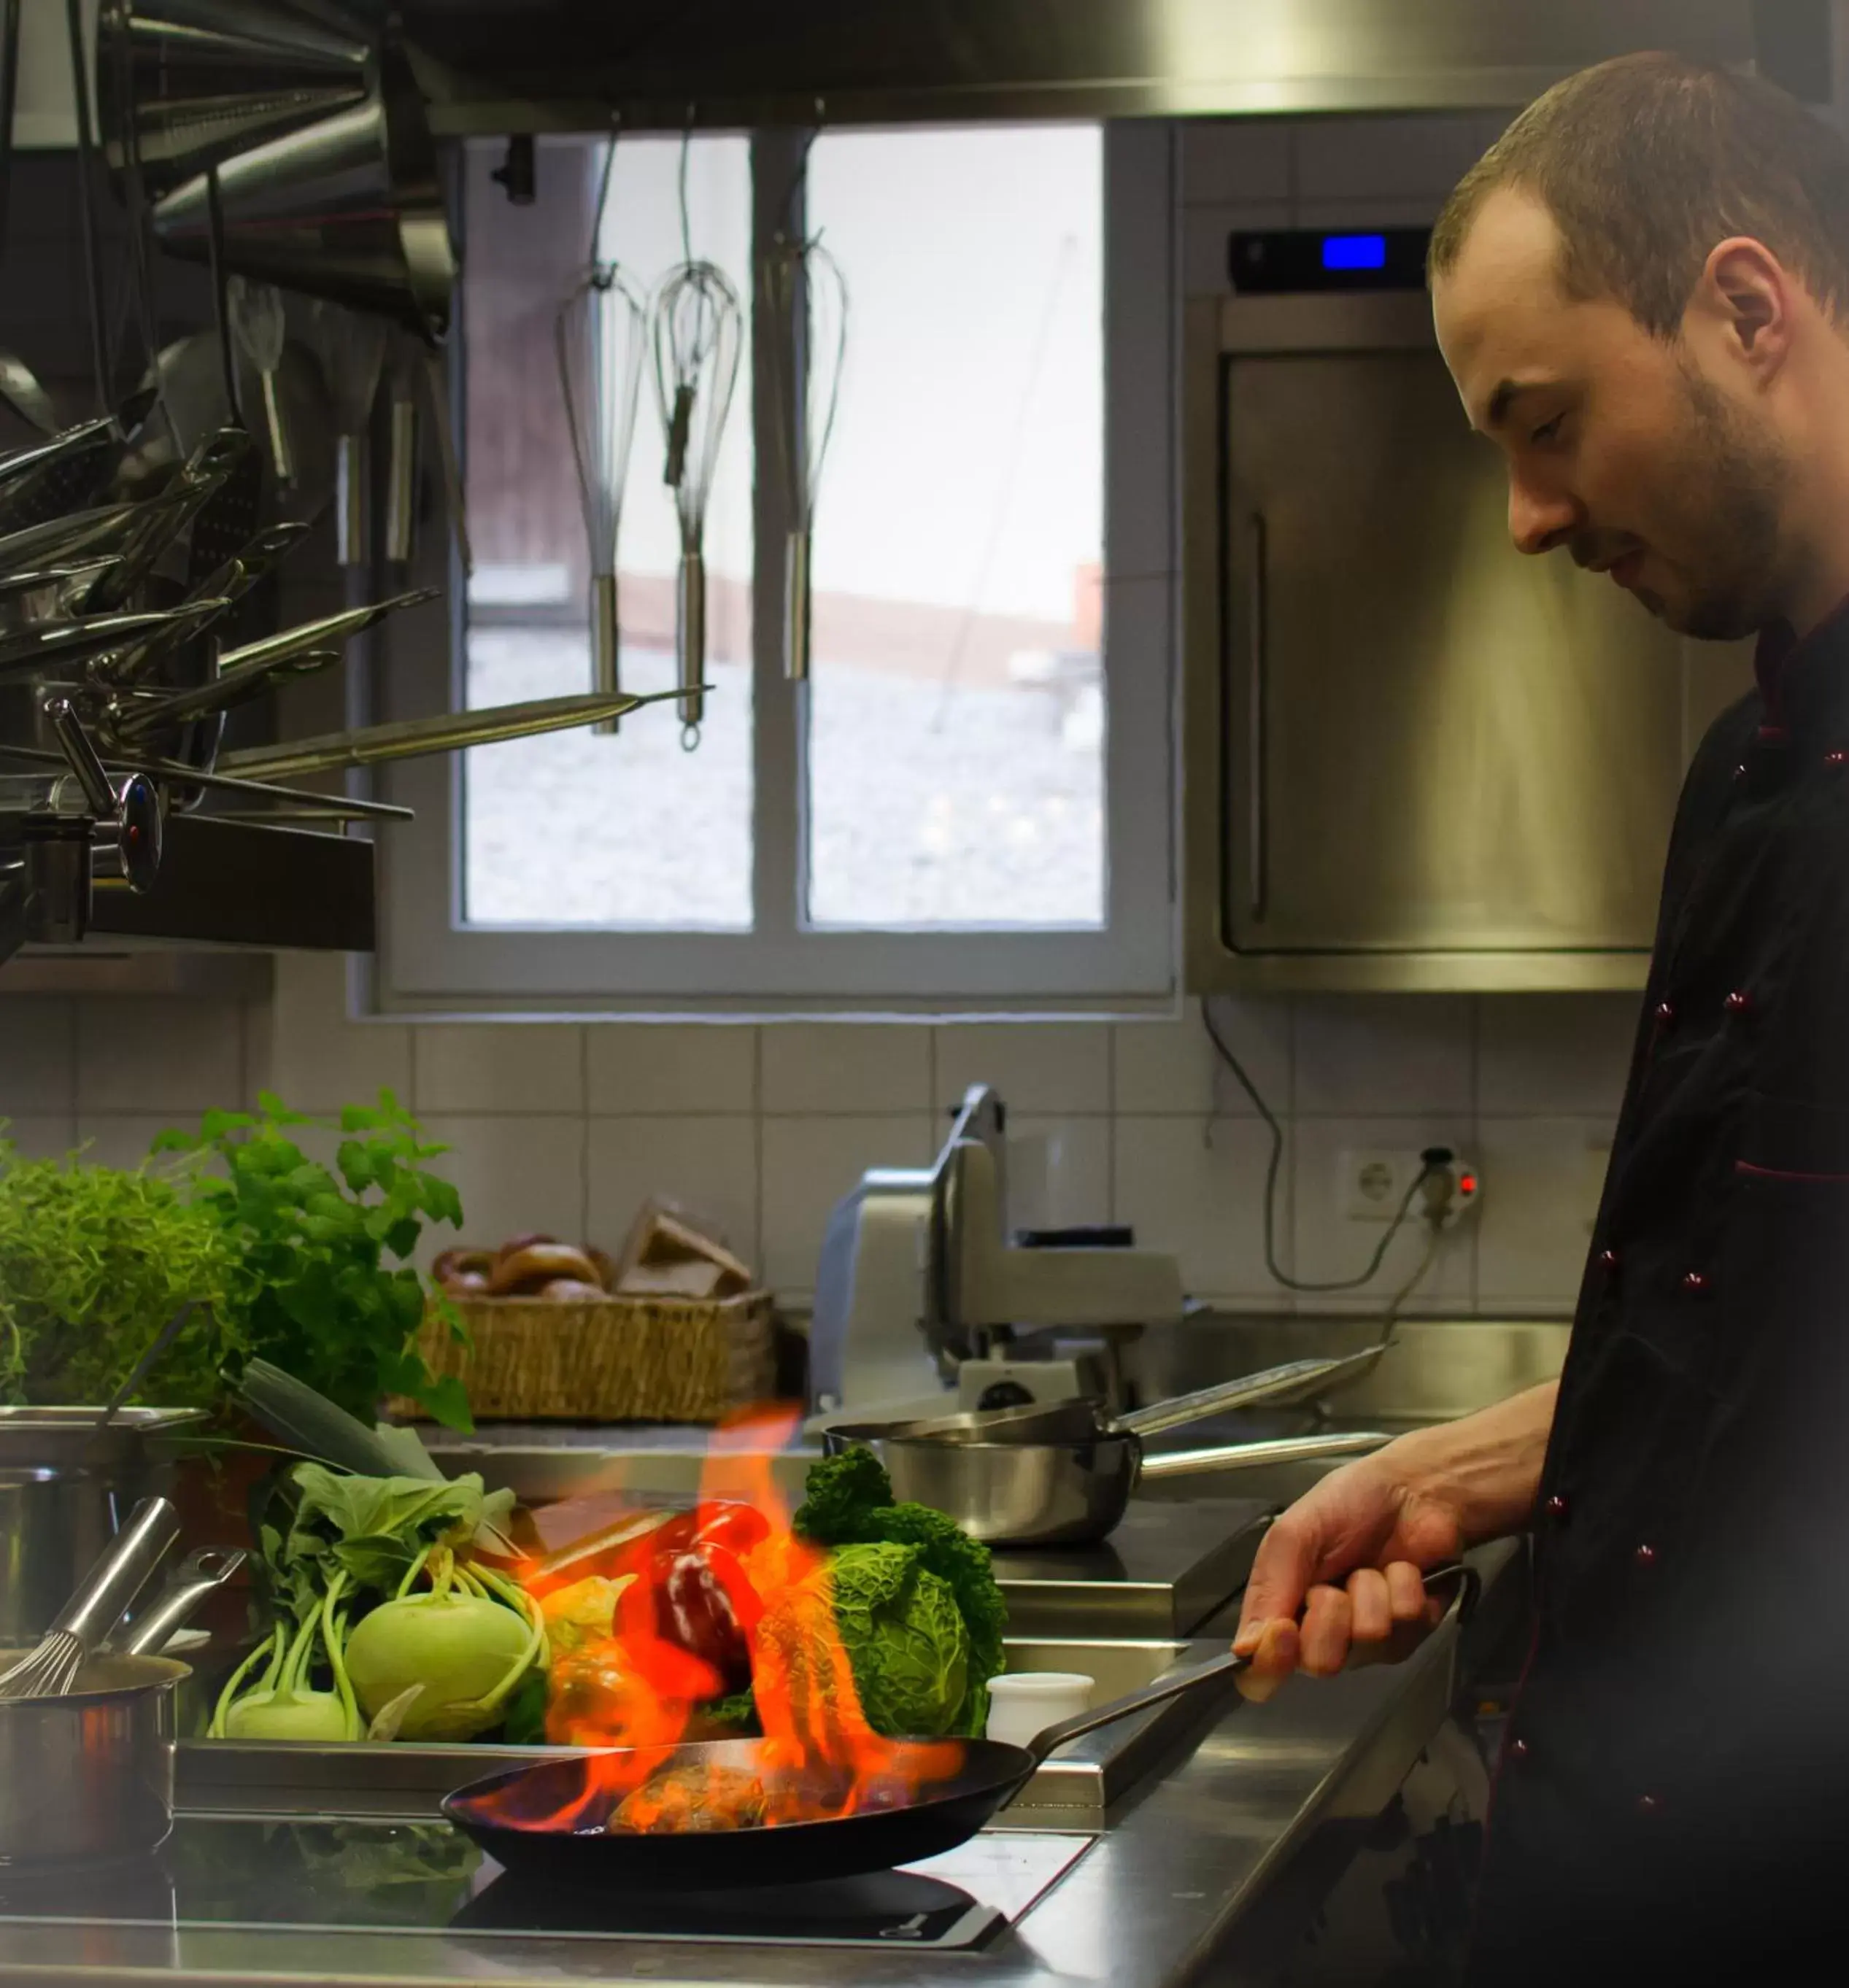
{"x":1547,"y":431}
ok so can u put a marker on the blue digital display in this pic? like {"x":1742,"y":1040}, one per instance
{"x":1354,"y":252}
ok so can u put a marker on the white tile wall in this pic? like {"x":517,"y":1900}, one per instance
{"x":1037,"y":1067}
{"x":672,"y":1067}
{"x":513,"y":1172}
{"x":158,"y":1054}
{"x":1384,"y":1053}
{"x":488,"y":1067}
{"x":568,"y":1128}
{"x":304,"y":1047}
{"x":38,"y":1057}
{"x":41,"y":1136}
{"x":1166,"y":1066}
{"x":707,"y":1164}
{"x":846,"y":1068}
{"x":1198,"y":1188}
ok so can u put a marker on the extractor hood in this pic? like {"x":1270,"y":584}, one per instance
{"x":490,"y":66}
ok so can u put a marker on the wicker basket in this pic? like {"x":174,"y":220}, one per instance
{"x":614,"y":1359}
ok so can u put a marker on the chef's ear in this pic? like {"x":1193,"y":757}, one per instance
{"x":1747,"y":296}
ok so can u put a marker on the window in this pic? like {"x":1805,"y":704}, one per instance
{"x":968,"y":802}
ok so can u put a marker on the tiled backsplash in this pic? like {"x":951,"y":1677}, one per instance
{"x":568,"y":1127}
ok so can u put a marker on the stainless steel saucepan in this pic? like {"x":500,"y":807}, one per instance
{"x":90,"y":1774}
{"x":1072,"y":1487}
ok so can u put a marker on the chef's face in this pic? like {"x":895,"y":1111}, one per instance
{"x":1620,"y":447}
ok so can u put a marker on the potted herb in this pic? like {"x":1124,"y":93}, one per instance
{"x":93,"y":1261}
{"x":324,"y":1287}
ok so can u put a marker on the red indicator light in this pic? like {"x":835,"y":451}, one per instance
{"x":1467,"y":1183}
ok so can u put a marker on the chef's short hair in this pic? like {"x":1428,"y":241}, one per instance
{"x":1645,"y":162}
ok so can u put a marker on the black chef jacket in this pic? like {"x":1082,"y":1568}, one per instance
{"x":1673,"y":1800}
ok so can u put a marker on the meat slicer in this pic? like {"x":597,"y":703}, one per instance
{"x":921,"y":1289}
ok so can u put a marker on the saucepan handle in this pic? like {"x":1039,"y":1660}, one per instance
{"x":186,"y":1587}
{"x":1255,"y":1455}
{"x":1225,"y":1396}
{"x":1192,"y":1677}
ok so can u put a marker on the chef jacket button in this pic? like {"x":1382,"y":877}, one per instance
{"x":1518,"y":1749}
{"x":1556,"y":1507}
{"x":1695,"y":1283}
{"x":1609,"y":1260}
{"x":1650,"y":1805}
{"x":1739,"y":1003}
{"x":1665,"y":1014}
{"x":1646,"y":1555}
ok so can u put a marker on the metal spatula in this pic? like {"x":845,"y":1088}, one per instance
{"x":110,"y":1587}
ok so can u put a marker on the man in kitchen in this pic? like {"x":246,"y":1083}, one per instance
{"x":1642,"y":293}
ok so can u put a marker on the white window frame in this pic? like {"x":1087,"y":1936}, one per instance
{"x":428,"y":963}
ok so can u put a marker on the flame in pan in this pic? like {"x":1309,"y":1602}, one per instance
{"x":640,"y":1694}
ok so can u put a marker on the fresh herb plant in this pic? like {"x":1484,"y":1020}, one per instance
{"x":327,"y":1293}
{"x":93,"y":1262}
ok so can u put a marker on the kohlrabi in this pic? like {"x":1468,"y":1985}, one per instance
{"x":283,"y":1704}
{"x":461,"y":1645}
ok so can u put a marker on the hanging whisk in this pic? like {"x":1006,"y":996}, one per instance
{"x":808,"y":295}
{"x":352,"y":348}
{"x":698,"y":331}
{"x":600,"y":337}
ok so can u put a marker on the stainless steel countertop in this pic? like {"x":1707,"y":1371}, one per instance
{"x":1172,"y":1884}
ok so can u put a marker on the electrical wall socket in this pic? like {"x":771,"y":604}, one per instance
{"x":1373,"y":1183}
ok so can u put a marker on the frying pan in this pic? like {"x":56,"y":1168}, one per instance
{"x":512,"y":1815}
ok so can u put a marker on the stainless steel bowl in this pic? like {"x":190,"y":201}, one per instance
{"x":65,"y":1486}
{"x":90,"y":1775}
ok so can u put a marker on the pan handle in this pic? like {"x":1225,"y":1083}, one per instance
{"x":1255,"y":1455}
{"x":1225,"y":1395}
{"x":1194,"y":1677}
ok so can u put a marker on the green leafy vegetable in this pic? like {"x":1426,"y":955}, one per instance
{"x":93,"y":1262}
{"x":353,"y":1631}
{"x":329,"y":1296}
{"x":900,"y":1627}
{"x":849,"y":1503}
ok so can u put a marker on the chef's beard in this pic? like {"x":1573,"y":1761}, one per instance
{"x":1721,"y":532}
{"x":1717,"y":528}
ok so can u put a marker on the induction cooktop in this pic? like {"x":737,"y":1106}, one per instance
{"x":334,"y":1875}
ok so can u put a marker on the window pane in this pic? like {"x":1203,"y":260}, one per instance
{"x":956,"y":745}
{"x":573,"y":829}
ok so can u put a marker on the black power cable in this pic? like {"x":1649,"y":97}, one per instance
{"x":1429,"y":1167}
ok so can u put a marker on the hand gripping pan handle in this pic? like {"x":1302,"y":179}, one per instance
{"x":1192,"y":1677}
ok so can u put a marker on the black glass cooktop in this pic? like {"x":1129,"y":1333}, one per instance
{"x":332,"y":1875}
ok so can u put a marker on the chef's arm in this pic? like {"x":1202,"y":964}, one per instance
{"x":1343,"y":1565}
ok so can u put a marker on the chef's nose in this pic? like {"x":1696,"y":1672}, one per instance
{"x":1540,"y":520}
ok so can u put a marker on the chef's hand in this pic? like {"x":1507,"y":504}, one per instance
{"x":1344,"y":1567}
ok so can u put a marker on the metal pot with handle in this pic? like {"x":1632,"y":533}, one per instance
{"x":90,"y":1774}
{"x":1069,"y":1483}
{"x":65,"y":1486}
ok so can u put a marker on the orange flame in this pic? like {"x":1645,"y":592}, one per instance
{"x":638,"y":1693}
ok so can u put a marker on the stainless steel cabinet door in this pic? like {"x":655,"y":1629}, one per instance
{"x":1433,"y":743}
